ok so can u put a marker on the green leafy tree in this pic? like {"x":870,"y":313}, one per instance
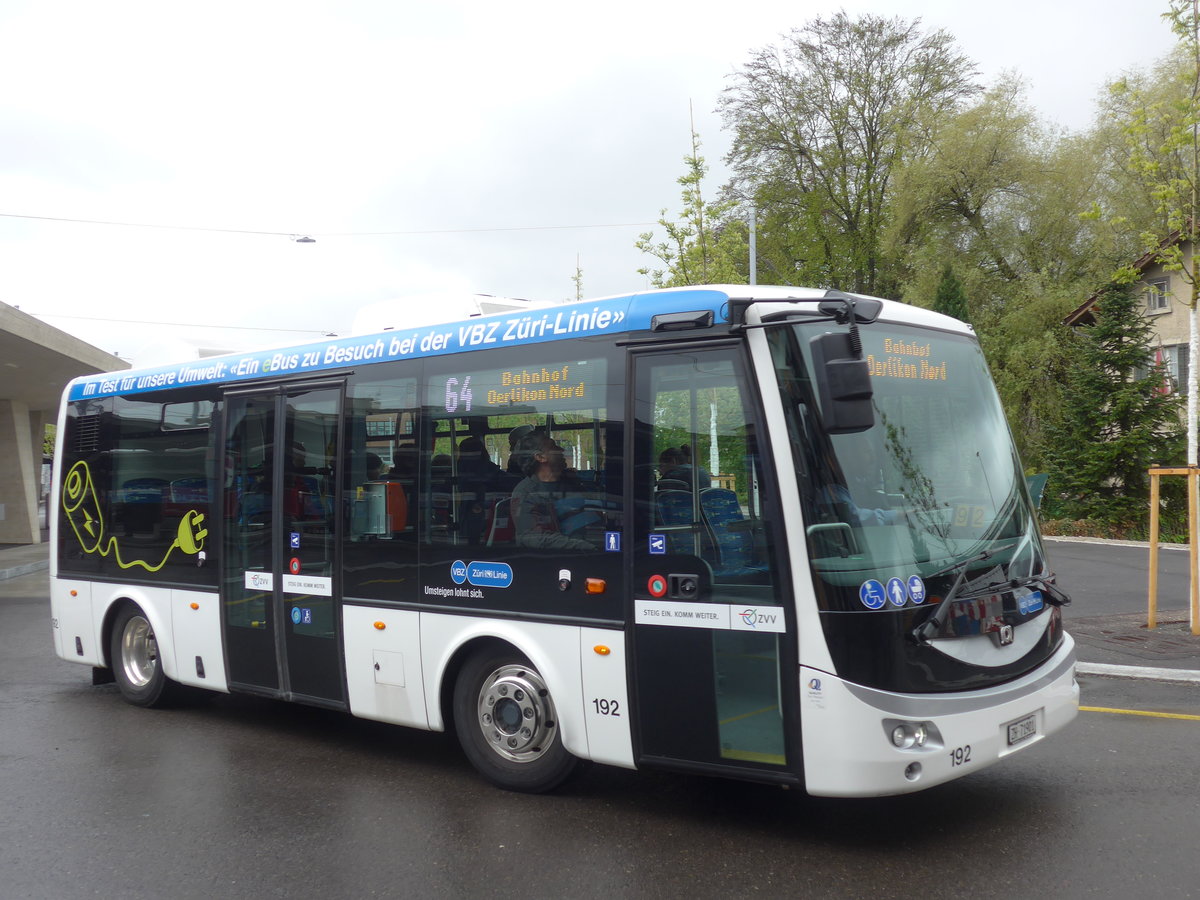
{"x":1032,"y":354}
{"x":1117,"y":420}
{"x":577,"y":278}
{"x":950,"y":298}
{"x":1002,"y":196}
{"x":820,"y":124}
{"x":707,"y":245}
{"x":1164,"y":141}
{"x":1137,"y":144}
{"x":958,"y":192}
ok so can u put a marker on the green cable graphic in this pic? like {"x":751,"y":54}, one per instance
{"x":82,"y":507}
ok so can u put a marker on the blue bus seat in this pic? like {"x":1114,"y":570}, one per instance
{"x":735,"y":545}
{"x":674,"y":511}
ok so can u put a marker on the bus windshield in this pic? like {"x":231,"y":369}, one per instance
{"x":934,"y":486}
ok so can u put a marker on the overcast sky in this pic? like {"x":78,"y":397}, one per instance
{"x":477,"y":135}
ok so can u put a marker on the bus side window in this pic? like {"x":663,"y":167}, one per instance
{"x":705,"y":477}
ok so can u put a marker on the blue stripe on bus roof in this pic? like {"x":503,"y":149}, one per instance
{"x":537,"y":326}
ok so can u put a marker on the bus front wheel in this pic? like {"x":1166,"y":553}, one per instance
{"x":507,"y":724}
{"x":135,"y":662}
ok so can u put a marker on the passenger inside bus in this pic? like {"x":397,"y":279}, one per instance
{"x":374,"y":467}
{"x":475,"y":466}
{"x":861,"y":482}
{"x":514,"y":458}
{"x":675,"y":467}
{"x":303,"y":493}
{"x":548,"y":505}
{"x":477,"y":476}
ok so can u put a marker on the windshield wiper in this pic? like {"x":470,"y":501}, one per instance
{"x":1045,"y":583}
{"x":931,"y":626}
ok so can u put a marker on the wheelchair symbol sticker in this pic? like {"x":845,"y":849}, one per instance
{"x":871,"y":594}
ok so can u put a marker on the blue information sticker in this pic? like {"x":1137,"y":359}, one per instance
{"x":1030,"y":603}
{"x":296,"y":615}
{"x":916,"y":588}
{"x":871,"y":594}
{"x":295,"y":540}
{"x":489,"y":574}
{"x":612,"y":541}
{"x":658,"y":544}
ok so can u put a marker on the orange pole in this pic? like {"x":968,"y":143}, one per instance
{"x":1193,"y":550}
{"x":1152,"y":611}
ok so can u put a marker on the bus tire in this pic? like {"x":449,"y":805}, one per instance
{"x":136,"y":665}
{"x":507,"y":725}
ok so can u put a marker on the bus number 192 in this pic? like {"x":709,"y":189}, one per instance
{"x":607,"y":707}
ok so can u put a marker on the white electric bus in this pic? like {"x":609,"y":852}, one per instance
{"x":767,"y":533}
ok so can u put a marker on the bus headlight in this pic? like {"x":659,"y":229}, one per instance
{"x":908,"y":735}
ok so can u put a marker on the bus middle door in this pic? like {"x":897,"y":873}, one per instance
{"x":279,"y":613}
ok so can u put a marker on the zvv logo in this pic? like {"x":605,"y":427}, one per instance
{"x":754,"y":618}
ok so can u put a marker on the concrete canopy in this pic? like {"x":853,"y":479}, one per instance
{"x":36,"y":362}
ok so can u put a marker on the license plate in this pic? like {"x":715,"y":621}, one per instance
{"x":1022,"y":729}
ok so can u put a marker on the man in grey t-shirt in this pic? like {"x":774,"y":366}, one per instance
{"x":548,"y":504}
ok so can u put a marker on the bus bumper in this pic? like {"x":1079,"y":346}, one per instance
{"x":847,"y":729}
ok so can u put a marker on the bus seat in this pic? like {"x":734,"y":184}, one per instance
{"x":734,"y":542}
{"x":189,"y":490}
{"x":254,"y":508}
{"x":590,"y":479}
{"x":143,"y":490}
{"x":501,"y":529}
{"x":674,"y":511}
{"x":672,"y":484}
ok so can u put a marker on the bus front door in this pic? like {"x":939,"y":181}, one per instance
{"x":279,"y":610}
{"x":710,"y":625}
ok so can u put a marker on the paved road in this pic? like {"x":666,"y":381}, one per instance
{"x":1108,"y":584}
{"x":1108,"y":578}
{"x":240,"y":797}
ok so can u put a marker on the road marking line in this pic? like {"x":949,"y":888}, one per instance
{"x":1149,"y":672}
{"x":1140,"y":712}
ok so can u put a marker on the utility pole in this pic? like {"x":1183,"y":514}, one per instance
{"x":753,"y":246}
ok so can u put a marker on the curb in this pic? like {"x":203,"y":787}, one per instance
{"x":1149,"y":673}
{"x":24,"y":569}
{"x":1145,"y":545}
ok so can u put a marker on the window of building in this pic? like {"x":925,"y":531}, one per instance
{"x":1157,"y":295}
{"x":1174,"y":359}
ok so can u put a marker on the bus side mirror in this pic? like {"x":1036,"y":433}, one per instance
{"x":844,"y":384}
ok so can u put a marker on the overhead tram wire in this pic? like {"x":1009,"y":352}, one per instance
{"x":321,"y":331}
{"x":297,"y":237}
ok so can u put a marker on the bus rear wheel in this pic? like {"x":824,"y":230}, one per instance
{"x":136,"y":665}
{"x":507,"y":725}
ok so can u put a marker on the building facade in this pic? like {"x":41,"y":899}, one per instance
{"x":1164,"y":295}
